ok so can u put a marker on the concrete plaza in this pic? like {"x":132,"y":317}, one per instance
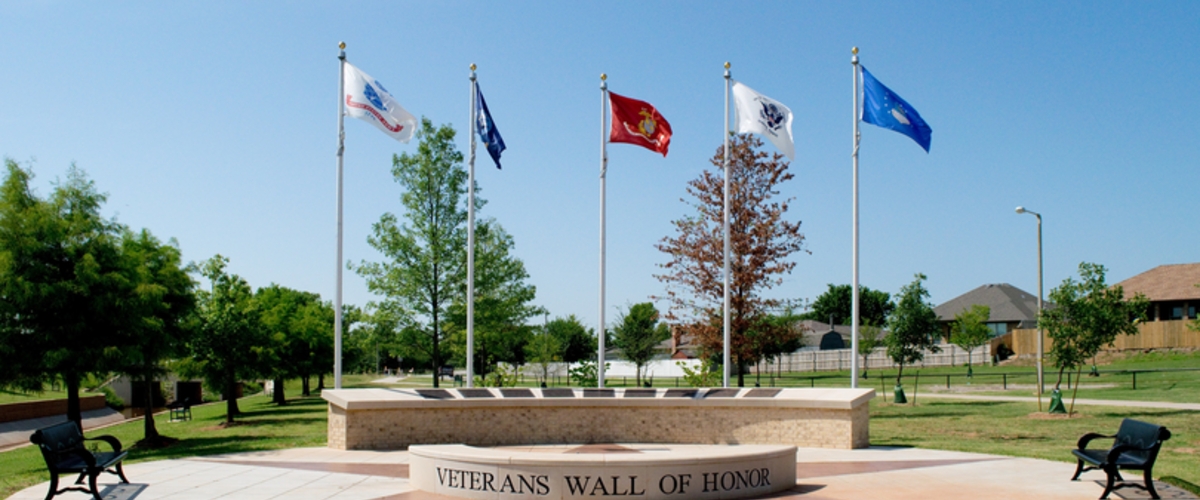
{"x":822,"y":474}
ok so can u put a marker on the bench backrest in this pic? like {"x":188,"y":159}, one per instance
{"x":1142,"y":435}
{"x":57,"y":439}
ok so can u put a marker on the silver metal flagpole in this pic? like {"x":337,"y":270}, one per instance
{"x":337,"y":298}
{"x":726,"y":338}
{"x":471,"y":240}
{"x":854,"y":286}
{"x":603,"y":174}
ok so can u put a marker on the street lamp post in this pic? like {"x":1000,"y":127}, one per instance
{"x":1040,"y":373}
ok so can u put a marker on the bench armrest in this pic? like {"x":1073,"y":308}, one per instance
{"x":1087,"y":438}
{"x":111,"y":440}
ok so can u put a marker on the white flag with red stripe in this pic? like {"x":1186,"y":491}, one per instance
{"x":366,"y":99}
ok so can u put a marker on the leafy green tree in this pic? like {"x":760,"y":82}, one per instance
{"x":837,"y":303}
{"x":502,"y":304}
{"x":425,"y":257}
{"x":299,"y":325}
{"x":868,"y":340}
{"x":913,"y":326}
{"x":543,"y":349}
{"x":61,"y":279}
{"x":578,"y":342}
{"x":160,"y":313}
{"x":638,"y":334}
{"x":231,"y":342}
{"x":970,"y":330}
{"x":1088,"y":315}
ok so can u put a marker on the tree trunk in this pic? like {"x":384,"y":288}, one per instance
{"x":740,"y":372}
{"x":1059,"y":381}
{"x":231,"y":406}
{"x":900,"y":374}
{"x":304,"y":386}
{"x":73,"y":413}
{"x":437,"y":360}
{"x":320,"y":382}
{"x":150,"y":432}
{"x":279,"y":397}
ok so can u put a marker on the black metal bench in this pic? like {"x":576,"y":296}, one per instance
{"x":1135,"y":447}
{"x":181,"y":409}
{"x":63,"y":449}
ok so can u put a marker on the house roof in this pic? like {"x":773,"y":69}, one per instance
{"x":1007,"y":303}
{"x":1166,"y":282}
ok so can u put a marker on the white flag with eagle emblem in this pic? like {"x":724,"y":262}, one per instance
{"x":366,"y":99}
{"x":759,"y":114}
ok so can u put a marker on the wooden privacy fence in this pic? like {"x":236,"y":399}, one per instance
{"x":812,"y":360}
{"x":1151,"y":335}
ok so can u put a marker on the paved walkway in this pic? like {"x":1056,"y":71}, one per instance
{"x":16,"y":434}
{"x":1091,"y":402}
{"x":875,"y":473}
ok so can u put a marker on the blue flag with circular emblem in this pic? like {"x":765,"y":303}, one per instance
{"x":884,"y":108}
{"x":487,"y":128}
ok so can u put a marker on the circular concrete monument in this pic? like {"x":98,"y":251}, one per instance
{"x":644,"y":471}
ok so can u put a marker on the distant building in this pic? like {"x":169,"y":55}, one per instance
{"x":1171,"y":289}
{"x":1011,"y":308}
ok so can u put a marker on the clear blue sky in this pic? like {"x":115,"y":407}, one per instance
{"x":215,"y":123}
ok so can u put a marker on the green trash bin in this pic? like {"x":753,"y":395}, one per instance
{"x":1056,"y":404}
{"x":898,"y":396}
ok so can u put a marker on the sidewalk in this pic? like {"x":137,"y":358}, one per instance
{"x":16,"y":434}
{"x":822,"y":474}
{"x":1091,"y":402}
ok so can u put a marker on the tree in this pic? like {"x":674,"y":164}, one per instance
{"x":868,"y":340}
{"x":160,"y":314}
{"x":426,"y":256}
{"x":231,"y":340}
{"x":762,"y":244}
{"x":836,"y":303}
{"x":502,"y":304}
{"x":638,"y":334}
{"x":543,"y":349}
{"x":578,"y":342}
{"x":1088,"y":316}
{"x":298,"y":325}
{"x":61,"y":278}
{"x":970,"y":330}
{"x":913,"y":326}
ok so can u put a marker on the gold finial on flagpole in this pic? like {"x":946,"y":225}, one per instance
{"x":726,"y":64}
{"x":603,"y":76}
{"x":854,"y":51}
{"x":472,"y":66}
{"x":342,"y":45}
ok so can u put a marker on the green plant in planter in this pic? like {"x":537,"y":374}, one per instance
{"x":1087,"y":316}
{"x":914,"y":327}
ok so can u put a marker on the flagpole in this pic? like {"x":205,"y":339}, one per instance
{"x":726,"y":337}
{"x":854,"y":286}
{"x":337,"y":298}
{"x":603,"y":175}
{"x":471,"y":241}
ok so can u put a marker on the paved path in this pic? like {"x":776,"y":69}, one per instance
{"x":1093,"y":402}
{"x":16,"y":434}
{"x":822,"y":474}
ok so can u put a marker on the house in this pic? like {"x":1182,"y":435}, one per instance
{"x":1171,"y":289}
{"x":1011,"y":308}
{"x":824,"y":336}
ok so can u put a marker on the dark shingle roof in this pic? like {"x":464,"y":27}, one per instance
{"x":1007,"y":303}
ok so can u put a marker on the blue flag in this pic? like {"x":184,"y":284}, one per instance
{"x":487,"y":128}
{"x":884,"y":108}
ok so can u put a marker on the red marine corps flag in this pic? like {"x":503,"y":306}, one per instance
{"x":637,"y":122}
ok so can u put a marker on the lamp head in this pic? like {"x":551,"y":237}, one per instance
{"x":1020,"y":210}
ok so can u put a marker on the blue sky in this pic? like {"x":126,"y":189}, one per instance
{"x":215,"y":123}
